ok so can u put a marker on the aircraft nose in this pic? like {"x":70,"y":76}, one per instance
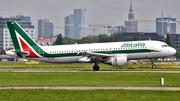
{"x":173,"y":51}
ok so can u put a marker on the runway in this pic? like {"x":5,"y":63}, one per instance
{"x":83,"y":87}
{"x":96,"y":88}
{"x":46,"y":70}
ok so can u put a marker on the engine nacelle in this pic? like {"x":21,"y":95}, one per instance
{"x":118,"y":61}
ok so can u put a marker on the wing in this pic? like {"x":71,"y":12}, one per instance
{"x":96,"y":56}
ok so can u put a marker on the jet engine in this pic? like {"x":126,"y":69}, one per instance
{"x":118,"y":61}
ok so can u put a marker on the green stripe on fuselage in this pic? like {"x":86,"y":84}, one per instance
{"x":102,"y":52}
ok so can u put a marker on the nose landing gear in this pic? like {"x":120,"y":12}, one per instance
{"x":153,"y":66}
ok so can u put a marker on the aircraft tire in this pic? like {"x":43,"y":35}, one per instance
{"x":95,"y":68}
{"x":154,"y":66}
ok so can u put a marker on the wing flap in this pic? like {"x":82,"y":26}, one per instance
{"x":96,"y":56}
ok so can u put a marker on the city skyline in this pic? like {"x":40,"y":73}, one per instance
{"x":97,"y":12}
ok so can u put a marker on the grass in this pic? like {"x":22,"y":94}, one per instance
{"x":111,"y":79}
{"x":83,"y":66}
{"x":86,"y":95}
{"x":86,"y":79}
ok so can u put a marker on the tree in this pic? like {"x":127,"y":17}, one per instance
{"x":59,"y":40}
{"x":90,"y":39}
{"x":68,"y":40}
{"x":113,"y":37}
{"x":168,"y":40}
{"x":3,"y":51}
{"x":103,"y":38}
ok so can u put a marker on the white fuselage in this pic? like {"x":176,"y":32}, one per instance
{"x":150,"y":50}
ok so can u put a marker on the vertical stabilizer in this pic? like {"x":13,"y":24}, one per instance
{"x":22,"y":41}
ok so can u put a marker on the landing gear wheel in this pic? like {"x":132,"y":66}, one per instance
{"x":95,"y":68}
{"x":154,"y":66}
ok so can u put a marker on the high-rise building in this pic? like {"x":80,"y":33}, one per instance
{"x":45,"y":28}
{"x":79,"y":16}
{"x":131,"y":24}
{"x":118,"y":30}
{"x":24,"y":18}
{"x":163,"y":27}
{"x":5,"y":38}
{"x":74,"y":24}
{"x":69,"y":26}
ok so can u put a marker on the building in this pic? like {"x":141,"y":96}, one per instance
{"x":118,"y":30}
{"x":162,"y":27}
{"x":79,"y":16}
{"x":45,"y":28}
{"x":175,"y":40}
{"x":5,"y":38}
{"x":74,"y":24}
{"x":24,"y":18}
{"x":53,"y":39}
{"x":69,"y":26}
{"x":131,"y":24}
{"x":140,"y":35}
{"x":44,"y":41}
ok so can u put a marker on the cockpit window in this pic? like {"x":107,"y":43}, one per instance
{"x":164,"y":45}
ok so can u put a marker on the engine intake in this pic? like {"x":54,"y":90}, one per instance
{"x":118,"y":61}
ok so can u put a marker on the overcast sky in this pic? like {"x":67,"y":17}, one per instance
{"x":113,"y":12}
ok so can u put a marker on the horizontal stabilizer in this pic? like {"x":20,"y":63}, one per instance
{"x":25,"y":53}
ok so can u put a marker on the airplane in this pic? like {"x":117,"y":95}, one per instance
{"x":112,"y":53}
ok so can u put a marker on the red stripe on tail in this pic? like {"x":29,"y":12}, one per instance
{"x":25,"y":47}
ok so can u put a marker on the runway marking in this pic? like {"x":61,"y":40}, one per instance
{"x":92,"y":88}
{"x":175,"y":88}
{"x":44,"y":70}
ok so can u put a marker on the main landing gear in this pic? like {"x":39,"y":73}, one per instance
{"x":153,"y":66}
{"x":96,"y":67}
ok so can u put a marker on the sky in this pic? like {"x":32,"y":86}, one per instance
{"x":113,"y":12}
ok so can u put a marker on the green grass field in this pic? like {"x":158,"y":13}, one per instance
{"x":112,"y":79}
{"x":87,"y":95}
{"x":83,"y":66}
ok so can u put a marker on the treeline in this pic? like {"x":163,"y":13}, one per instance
{"x":92,"y":39}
